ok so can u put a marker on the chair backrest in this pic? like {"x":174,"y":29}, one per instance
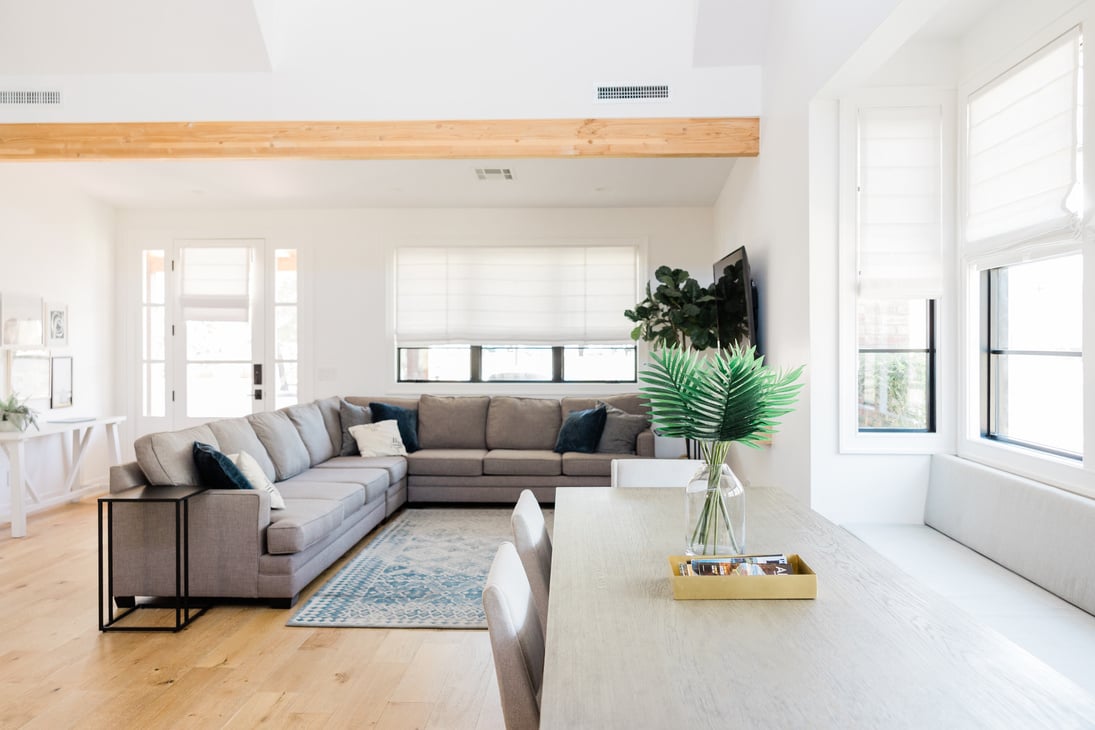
{"x":653,"y":472}
{"x":530,"y":536}
{"x":516,"y":639}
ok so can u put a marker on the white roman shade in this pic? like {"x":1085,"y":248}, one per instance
{"x":1023,"y":150}
{"x":900,"y":234}
{"x":215,"y":284}
{"x":481,"y":295}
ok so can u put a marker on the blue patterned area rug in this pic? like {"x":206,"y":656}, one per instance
{"x":425,"y":569}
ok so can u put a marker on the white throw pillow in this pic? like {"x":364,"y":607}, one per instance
{"x":254,"y":474}
{"x":379,"y":439}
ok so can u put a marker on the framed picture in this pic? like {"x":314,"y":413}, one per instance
{"x":60,"y":382}
{"x":29,"y":373}
{"x":21,"y":320}
{"x":56,"y":325}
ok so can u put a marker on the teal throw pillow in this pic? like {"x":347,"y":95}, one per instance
{"x":581,"y":431}
{"x":216,"y":470}
{"x":404,"y":417}
{"x":351,"y":415}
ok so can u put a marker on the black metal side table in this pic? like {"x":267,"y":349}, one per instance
{"x":184,"y":612}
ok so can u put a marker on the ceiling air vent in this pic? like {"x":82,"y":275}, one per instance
{"x":633,"y":93}
{"x":494,"y":173}
{"x":30,"y":97}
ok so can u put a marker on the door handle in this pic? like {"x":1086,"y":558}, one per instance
{"x":258,"y":393}
{"x":257,"y":373}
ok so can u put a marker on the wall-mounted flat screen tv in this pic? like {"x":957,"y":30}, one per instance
{"x":737,"y":305}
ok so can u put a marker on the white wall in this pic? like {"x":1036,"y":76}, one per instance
{"x":346,"y":258}
{"x":60,"y":246}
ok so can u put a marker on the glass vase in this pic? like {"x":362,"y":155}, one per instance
{"x":714,"y":506}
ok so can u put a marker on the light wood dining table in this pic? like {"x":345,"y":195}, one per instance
{"x":875,"y":649}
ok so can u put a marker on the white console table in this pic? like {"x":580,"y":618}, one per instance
{"x":14,"y":443}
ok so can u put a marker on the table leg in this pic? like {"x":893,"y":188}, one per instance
{"x":16,"y":457}
{"x":80,"y":438}
{"x":114,"y":452}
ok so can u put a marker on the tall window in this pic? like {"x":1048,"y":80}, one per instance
{"x":899,"y":250}
{"x":518,"y":314}
{"x":153,"y":333}
{"x":1024,"y":208}
{"x":285,"y":328}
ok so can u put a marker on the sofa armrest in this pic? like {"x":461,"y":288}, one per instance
{"x":644,"y":444}
{"x":126,"y":476}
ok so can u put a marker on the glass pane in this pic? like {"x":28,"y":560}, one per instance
{"x":218,"y":390}
{"x":1040,"y":400}
{"x":152,"y":283}
{"x":899,"y":324}
{"x":285,"y":276}
{"x":218,"y":340}
{"x":285,"y":332}
{"x":435,"y":363}
{"x":154,"y":341}
{"x":599,"y":363}
{"x":893,"y":391}
{"x":155,"y":390}
{"x":285,"y":386}
{"x":1039,"y":305}
{"x":216,"y":271}
{"x":516,"y":363}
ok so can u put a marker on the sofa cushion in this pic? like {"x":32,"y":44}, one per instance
{"x":301,"y":524}
{"x":523,"y":462}
{"x":529,"y":424}
{"x":627,"y":402}
{"x":589,"y":465}
{"x":167,"y":458}
{"x":453,"y":422}
{"x":235,"y":435}
{"x":308,"y":420}
{"x":328,"y":408}
{"x":447,"y":462}
{"x":396,"y":466}
{"x":352,"y":494}
{"x":257,"y":477}
{"x":406,"y":418}
{"x":284,"y":445}
{"x":217,"y":470}
{"x":379,"y":439}
{"x":581,"y":430}
{"x":621,"y":430}
{"x":349,"y":415}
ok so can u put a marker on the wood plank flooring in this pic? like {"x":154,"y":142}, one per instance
{"x":234,"y":667}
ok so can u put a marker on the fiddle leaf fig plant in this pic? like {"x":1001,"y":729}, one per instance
{"x":16,"y":411}
{"x":679,"y":312}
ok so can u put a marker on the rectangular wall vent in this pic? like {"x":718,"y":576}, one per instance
{"x":633,"y":93}
{"x":494,"y":173}
{"x":30,"y":97}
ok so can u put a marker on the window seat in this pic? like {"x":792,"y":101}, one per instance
{"x":977,"y":515}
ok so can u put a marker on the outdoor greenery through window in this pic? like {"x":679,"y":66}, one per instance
{"x":896,"y":363}
{"x":1035,"y":363}
{"x":521,"y":364}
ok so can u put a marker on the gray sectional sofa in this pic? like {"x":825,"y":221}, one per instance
{"x":472,"y":449}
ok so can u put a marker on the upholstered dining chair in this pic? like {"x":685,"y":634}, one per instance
{"x":516,"y":639}
{"x":530,"y":537}
{"x":653,"y":472}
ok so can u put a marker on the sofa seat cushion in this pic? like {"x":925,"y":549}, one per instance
{"x":396,"y":466}
{"x":447,"y":462}
{"x":523,"y":423}
{"x":453,"y":421}
{"x":375,"y":481}
{"x":302,"y":523}
{"x":522,"y":462}
{"x":352,"y":495}
{"x":590,"y":465}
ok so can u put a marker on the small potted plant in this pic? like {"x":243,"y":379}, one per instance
{"x":16,"y":415}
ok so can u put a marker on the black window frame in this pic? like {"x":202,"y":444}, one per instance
{"x":990,"y":357}
{"x":932,"y":352}
{"x":476,"y":371}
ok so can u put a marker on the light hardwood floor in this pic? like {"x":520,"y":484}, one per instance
{"x":235,"y":666}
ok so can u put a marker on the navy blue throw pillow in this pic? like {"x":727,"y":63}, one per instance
{"x":581,"y":431}
{"x":405,"y":418}
{"x":216,"y":470}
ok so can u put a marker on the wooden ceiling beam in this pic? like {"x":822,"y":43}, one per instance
{"x":413,"y":140}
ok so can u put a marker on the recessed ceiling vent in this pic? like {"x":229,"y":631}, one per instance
{"x":30,"y":97}
{"x":494,"y":173}
{"x":657,"y":92}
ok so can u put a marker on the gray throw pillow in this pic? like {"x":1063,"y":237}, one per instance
{"x":351,"y":415}
{"x":621,"y":430}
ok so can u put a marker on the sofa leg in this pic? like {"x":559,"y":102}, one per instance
{"x":284,"y":602}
